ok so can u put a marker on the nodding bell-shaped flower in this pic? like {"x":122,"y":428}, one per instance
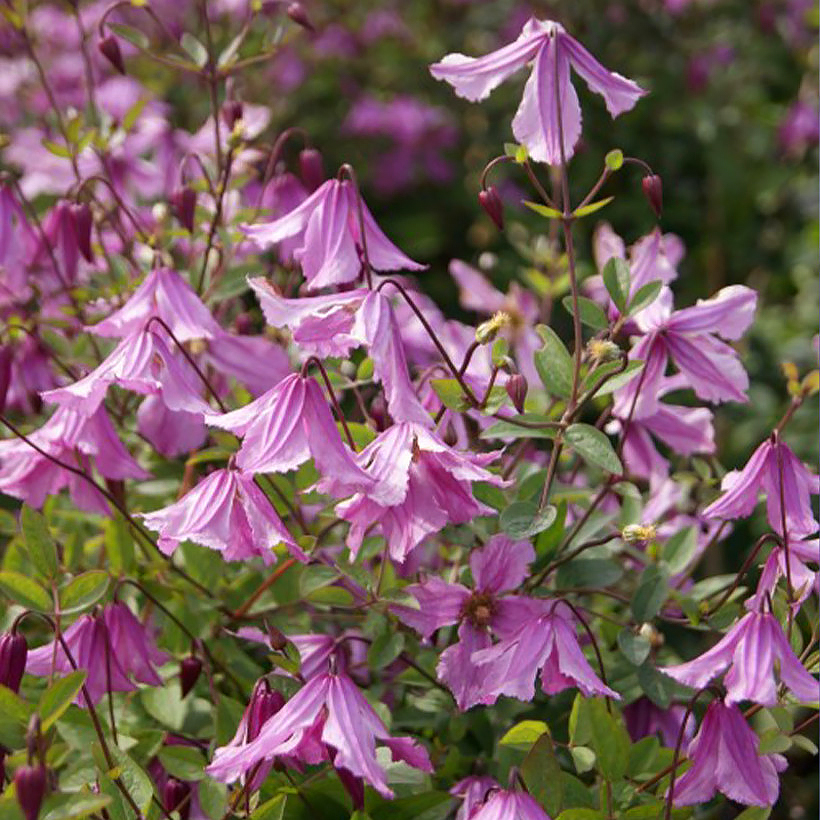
{"x":30,"y":787}
{"x":549,"y":109}
{"x":502,"y":804}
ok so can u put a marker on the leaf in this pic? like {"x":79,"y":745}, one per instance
{"x":56,"y":148}
{"x":195,"y":50}
{"x":644,"y":296}
{"x":581,"y":814}
{"x":524,"y":734}
{"x":543,"y":210}
{"x":635,"y":648}
{"x":83,"y":591}
{"x":213,"y":797}
{"x":450,"y":394}
{"x":679,"y":549}
{"x":271,"y":810}
{"x":550,"y":539}
{"x":588,"y":572}
{"x":619,"y":380}
{"x":755,"y":813}
{"x":542,"y":775}
{"x":183,"y":762}
{"x":652,"y":590}
{"x":14,"y":717}
{"x":659,"y":688}
{"x":131,"y":34}
{"x":591,"y":312}
{"x":119,"y":545}
{"x":614,"y":159}
{"x":431,"y":805}
{"x":227,"y":56}
{"x":593,"y":446}
{"x":554,"y":363}
{"x":134,"y":778}
{"x":583,"y":758}
{"x":58,"y":697}
{"x":76,"y":806}
{"x":523,"y":519}
{"x":25,"y":591}
{"x":40,"y":545}
{"x":616,"y":278}
{"x":609,"y":739}
{"x":385,"y":649}
{"x":509,"y":429}
{"x":586,"y":210}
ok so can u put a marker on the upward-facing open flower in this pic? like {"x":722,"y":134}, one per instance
{"x":750,"y":650}
{"x":724,"y":758}
{"x":776,"y":470}
{"x":331,"y":248}
{"x":330,"y":709}
{"x":226,"y":512}
{"x":549,"y":108}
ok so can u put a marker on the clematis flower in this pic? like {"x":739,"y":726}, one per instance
{"x":74,"y":438}
{"x":288,"y":425}
{"x":549,"y":110}
{"x":725,"y":759}
{"x":473,"y":791}
{"x":499,"y":567}
{"x":772,"y":468}
{"x":17,"y":241}
{"x":170,"y":433}
{"x":545,"y":640}
{"x":644,"y":719}
{"x":750,"y":650}
{"x":330,"y":249}
{"x":803,"y":579}
{"x":226,"y":512}
{"x":502,"y":804}
{"x":329,"y":709}
{"x":113,"y":647}
{"x":283,"y":194}
{"x":421,"y":485}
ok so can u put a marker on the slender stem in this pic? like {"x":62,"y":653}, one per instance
{"x":220,"y":200}
{"x":266,"y":584}
{"x":676,"y":757}
{"x":213,"y":83}
{"x":347,"y":170}
{"x":315,"y":360}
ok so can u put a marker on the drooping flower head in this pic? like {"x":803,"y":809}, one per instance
{"x":503,"y":804}
{"x":550,"y":107}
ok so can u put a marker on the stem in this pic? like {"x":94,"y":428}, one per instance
{"x":333,"y":399}
{"x":220,"y":199}
{"x":347,"y":170}
{"x":266,"y":584}
{"x":675,"y":759}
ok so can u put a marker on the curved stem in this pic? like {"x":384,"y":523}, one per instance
{"x":315,"y":360}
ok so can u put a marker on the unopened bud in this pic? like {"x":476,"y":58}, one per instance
{"x":110,"y":49}
{"x":487,"y":331}
{"x":490,"y":201}
{"x":83,"y":220}
{"x":311,"y":168}
{"x":183,"y":201}
{"x":13,"y":652}
{"x":602,"y":350}
{"x":30,"y":787}
{"x":638,"y":534}
{"x":6,"y":359}
{"x":297,"y":13}
{"x":265,"y":703}
{"x":231,"y":112}
{"x":189,"y":671}
{"x":653,"y":189}
{"x":517,"y":390}
{"x":176,"y":796}
{"x":277,"y":639}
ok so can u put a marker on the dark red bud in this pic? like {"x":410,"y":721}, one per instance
{"x":231,"y":111}
{"x":176,"y":797}
{"x":297,"y":13}
{"x":189,"y":670}
{"x":30,"y":785}
{"x":244,"y":324}
{"x":278,"y":640}
{"x":110,"y":49}
{"x":490,"y":201}
{"x":83,"y":221}
{"x":653,"y":188}
{"x":183,"y":201}
{"x":13,"y":652}
{"x":265,"y":703}
{"x":311,"y":168}
{"x":517,"y":390}
{"x":6,"y":359}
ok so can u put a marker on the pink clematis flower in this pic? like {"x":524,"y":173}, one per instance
{"x":226,"y":512}
{"x":803,"y":579}
{"x":750,"y":650}
{"x":473,"y":791}
{"x":113,"y":647}
{"x":776,"y":470}
{"x":725,"y":759}
{"x":502,"y":804}
{"x":545,"y":640}
{"x":497,"y":568}
{"x":170,"y":433}
{"x":328,"y":711}
{"x":644,"y":719}
{"x":330,"y":249}
{"x":421,"y":485}
{"x":77,"y":439}
{"x":549,"y":110}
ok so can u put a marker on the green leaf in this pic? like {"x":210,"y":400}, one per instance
{"x":450,"y":393}
{"x":500,"y":350}
{"x":679,"y":549}
{"x":581,"y":814}
{"x":550,"y":539}
{"x":119,"y":545}
{"x":619,"y":380}
{"x":609,"y":739}
{"x":543,"y":210}
{"x":617,"y":278}
{"x":133,"y":113}
{"x":614,"y":159}
{"x":583,"y":758}
{"x":593,"y":446}
{"x":40,"y":545}
{"x":432,"y":805}
{"x":652,"y":590}
{"x":231,"y":50}
{"x":25,"y":591}
{"x":195,"y":50}
{"x":644,"y":296}
{"x":642,"y":756}
{"x":634,"y":647}
{"x":183,"y":762}
{"x":773,"y":741}
{"x":586,"y":210}
{"x":591,"y":312}
{"x":14,"y":717}
{"x":542,"y":775}
{"x":554,"y":363}
{"x":659,"y":688}
{"x":133,"y":777}
{"x":56,"y":148}
{"x":131,"y":34}
{"x":83,"y":591}
{"x":385,"y":649}
{"x":588,"y":572}
{"x":755,"y":813}
{"x":58,"y":697}
{"x":521,"y":154}
{"x":213,"y":797}
{"x":271,"y":810}
{"x":524,"y":734}
{"x":508,"y":429}
{"x":523,"y":519}
{"x":75,"y":806}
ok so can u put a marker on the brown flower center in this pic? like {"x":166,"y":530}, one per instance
{"x":479,"y":609}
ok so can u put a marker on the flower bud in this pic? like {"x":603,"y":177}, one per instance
{"x":83,"y":221}
{"x":517,"y":390}
{"x":602,"y":350}
{"x":13,"y":652}
{"x":30,"y":786}
{"x":297,"y":13}
{"x":311,"y":168}
{"x":487,"y":331}
{"x":6,"y":359}
{"x":638,"y":534}
{"x":231,"y":112}
{"x":176,"y":797}
{"x":490,"y":201}
{"x":653,"y":189}
{"x":189,"y":671}
{"x":110,"y":49}
{"x":183,"y":201}
{"x":277,"y":639}
{"x":265,"y":703}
